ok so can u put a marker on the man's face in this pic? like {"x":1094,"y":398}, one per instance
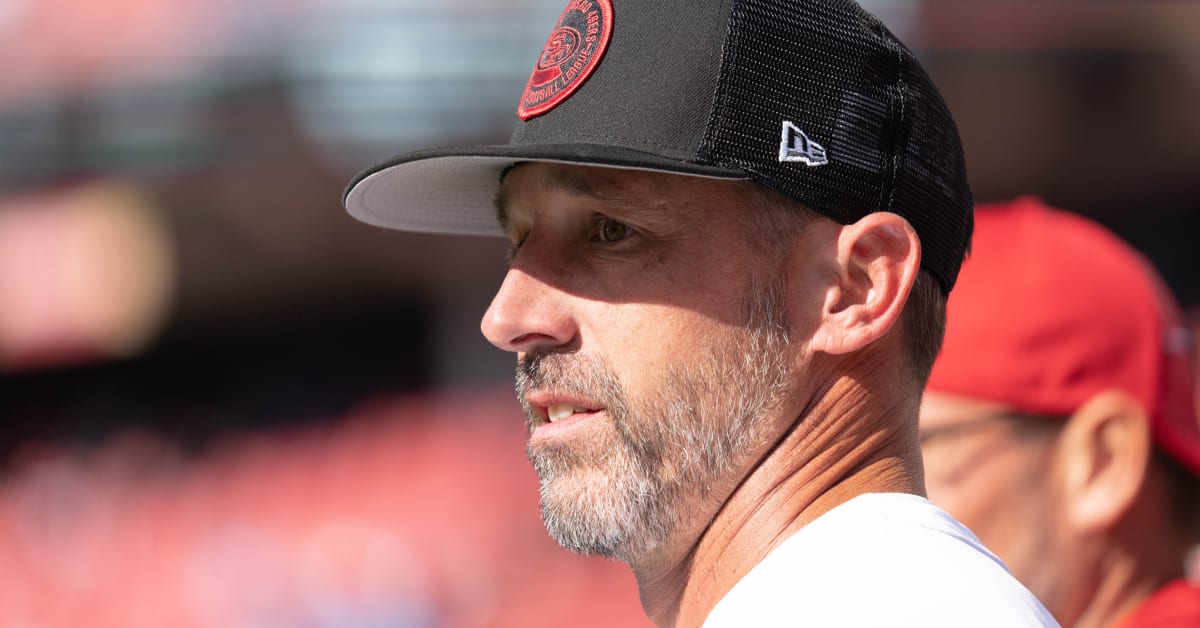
{"x":995,"y":473}
{"x":652,"y":349}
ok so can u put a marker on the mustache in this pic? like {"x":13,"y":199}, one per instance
{"x":569,"y":375}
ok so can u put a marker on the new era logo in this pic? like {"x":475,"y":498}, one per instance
{"x":795,"y":146}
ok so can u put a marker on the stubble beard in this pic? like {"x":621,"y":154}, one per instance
{"x":623,"y":494}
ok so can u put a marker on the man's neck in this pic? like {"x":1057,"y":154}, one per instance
{"x":1128,"y":577}
{"x":838,"y":449}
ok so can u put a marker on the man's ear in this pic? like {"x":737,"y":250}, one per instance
{"x":1103,"y":456}
{"x":877,"y":262}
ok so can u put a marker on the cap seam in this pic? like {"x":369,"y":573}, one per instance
{"x":893,"y":141}
{"x":618,"y":141}
{"x":704,"y":151}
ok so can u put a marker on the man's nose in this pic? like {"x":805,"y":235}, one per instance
{"x":528,"y":314}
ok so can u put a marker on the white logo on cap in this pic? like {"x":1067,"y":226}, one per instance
{"x":796,"y":147}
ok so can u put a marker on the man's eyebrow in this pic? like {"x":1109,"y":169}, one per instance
{"x":600,"y":188}
{"x":603,"y":188}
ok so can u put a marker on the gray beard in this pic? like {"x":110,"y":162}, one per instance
{"x":622,"y":495}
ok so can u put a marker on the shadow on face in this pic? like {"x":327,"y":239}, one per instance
{"x":621,"y":236}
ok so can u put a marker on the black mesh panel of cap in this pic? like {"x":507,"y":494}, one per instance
{"x":834,"y":72}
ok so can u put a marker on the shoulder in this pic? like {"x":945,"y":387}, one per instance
{"x":880,"y":560}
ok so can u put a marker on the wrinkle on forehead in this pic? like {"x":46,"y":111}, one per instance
{"x":614,"y":187}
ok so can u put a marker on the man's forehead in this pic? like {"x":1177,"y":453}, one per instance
{"x":615,"y":187}
{"x":589,"y":181}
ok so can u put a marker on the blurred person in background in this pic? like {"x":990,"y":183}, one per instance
{"x":733,"y":228}
{"x":1059,"y":421}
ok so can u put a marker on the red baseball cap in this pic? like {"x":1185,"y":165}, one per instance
{"x":1052,"y":309}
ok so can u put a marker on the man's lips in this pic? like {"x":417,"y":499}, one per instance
{"x":556,"y":409}
{"x":558,"y":412}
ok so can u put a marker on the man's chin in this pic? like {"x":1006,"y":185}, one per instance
{"x":588,"y":513}
{"x":579,"y":494}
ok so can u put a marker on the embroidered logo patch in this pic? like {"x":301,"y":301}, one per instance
{"x":571,"y":53}
{"x":796,"y":146}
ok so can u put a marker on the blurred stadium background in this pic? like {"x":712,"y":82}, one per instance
{"x":225,"y":403}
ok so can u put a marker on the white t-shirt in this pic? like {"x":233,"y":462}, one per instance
{"x":878,"y":560}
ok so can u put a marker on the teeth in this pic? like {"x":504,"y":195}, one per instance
{"x":561,"y":411}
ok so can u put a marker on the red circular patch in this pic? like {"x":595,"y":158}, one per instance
{"x":572,"y":51}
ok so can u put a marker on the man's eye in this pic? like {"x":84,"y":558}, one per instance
{"x":609,"y":230}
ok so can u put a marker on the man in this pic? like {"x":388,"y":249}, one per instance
{"x":733,"y":227}
{"x":1059,"y":422}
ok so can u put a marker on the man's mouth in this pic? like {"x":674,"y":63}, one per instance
{"x":561,"y":411}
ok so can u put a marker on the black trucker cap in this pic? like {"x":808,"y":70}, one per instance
{"x":814,"y":98}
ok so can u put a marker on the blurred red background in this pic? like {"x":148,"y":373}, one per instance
{"x":225,"y":403}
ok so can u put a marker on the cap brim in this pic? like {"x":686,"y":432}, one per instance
{"x":453,"y":190}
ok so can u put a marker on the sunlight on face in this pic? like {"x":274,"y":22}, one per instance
{"x":622,"y":493}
